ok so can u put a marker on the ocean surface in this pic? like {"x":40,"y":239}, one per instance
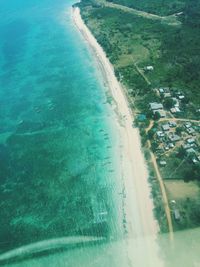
{"x":60,"y":148}
{"x":57,"y":174}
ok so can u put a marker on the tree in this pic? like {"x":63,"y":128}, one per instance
{"x":154,"y":146}
{"x":192,"y":13}
{"x":181,"y":153}
{"x":151,"y":133}
{"x":149,"y":114}
{"x":179,"y":130}
{"x":169,"y":103}
{"x":192,"y":173}
{"x":157,"y":115}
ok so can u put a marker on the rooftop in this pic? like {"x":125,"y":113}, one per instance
{"x":190,"y":140}
{"x":190,"y":130}
{"x":165,"y":127}
{"x":174,"y":137}
{"x":156,"y":106}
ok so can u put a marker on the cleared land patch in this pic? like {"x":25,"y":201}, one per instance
{"x":180,"y":190}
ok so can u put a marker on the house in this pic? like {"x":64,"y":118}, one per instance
{"x":174,"y":138}
{"x":190,"y":130}
{"x":161,"y":90}
{"x":166,"y":147}
{"x":149,"y":68}
{"x":160,"y":134}
{"x":176,"y":102}
{"x":186,"y":146}
{"x":174,"y":110}
{"x":162,"y":163}
{"x":190,"y":141}
{"x":188,"y":124}
{"x":177,"y":109}
{"x":193,"y":145}
{"x":194,"y":160}
{"x":179,"y":13}
{"x":181,"y":97}
{"x":155,"y":106}
{"x":165,"y":127}
{"x":166,"y":90}
{"x":171,"y":145}
{"x":165,"y":95}
{"x":172,"y":124}
{"x":178,"y":93}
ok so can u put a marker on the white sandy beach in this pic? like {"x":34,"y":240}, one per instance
{"x":140,"y":242}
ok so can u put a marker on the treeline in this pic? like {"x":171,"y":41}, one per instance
{"x":160,"y":7}
{"x":191,"y":13}
{"x":181,"y":50}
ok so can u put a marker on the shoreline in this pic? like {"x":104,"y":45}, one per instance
{"x":142,"y":227}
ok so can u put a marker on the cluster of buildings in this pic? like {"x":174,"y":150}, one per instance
{"x":164,"y":93}
{"x":168,"y":139}
{"x":171,"y":132}
{"x":190,"y":145}
{"x":157,"y":108}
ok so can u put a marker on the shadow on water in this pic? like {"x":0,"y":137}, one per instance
{"x":48,"y":247}
{"x":97,"y":252}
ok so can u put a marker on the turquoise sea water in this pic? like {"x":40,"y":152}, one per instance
{"x":56,"y":134}
{"x":59,"y":148}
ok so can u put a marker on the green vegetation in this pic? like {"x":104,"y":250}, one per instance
{"x":189,"y":211}
{"x":173,"y":51}
{"x":132,"y":42}
{"x":179,"y":167}
{"x":160,"y":7}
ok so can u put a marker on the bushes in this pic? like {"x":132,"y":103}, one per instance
{"x":159,"y":7}
{"x":192,"y":173}
{"x":169,"y":103}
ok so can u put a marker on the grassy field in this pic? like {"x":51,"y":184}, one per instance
{"x":187,"y":197}
{"x":179,"y":190}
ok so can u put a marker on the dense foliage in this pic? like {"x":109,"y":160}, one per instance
{"x":160,"y":7}
{"x":173,"y":50}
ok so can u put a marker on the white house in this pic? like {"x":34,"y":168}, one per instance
{"x":149,"y":68}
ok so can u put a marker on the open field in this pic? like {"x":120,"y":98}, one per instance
{"x":178,"y":190}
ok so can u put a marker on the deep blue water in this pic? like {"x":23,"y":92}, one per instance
{"x":56,"y":167}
